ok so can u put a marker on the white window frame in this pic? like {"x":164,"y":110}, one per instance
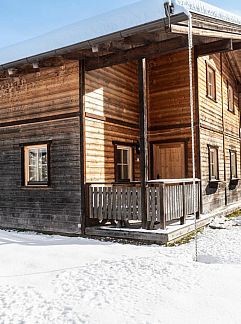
{"x":38,"y":181}
{"x":129,"y":163}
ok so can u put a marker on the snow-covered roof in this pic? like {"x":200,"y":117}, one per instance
{"x":128,"y":17}
{"x":209,"y":10}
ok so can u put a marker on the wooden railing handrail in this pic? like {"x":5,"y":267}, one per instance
{"x":158,"y":181}
{"x":172,"y":181}
{"x":113,"y":183}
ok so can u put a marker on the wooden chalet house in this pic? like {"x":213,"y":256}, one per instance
{"x":103,"y":121}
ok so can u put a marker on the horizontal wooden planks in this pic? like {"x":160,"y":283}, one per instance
{"x":48,"y":92}
{"x":111,"y":106}
{"x":220,"y":128}
{"x":55,"y":208}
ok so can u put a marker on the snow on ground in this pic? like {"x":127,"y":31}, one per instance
{"x":54,"y":279}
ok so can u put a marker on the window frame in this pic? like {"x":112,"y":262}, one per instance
{"x":213,"y":148}
{"x":25,"y":167}
{"x":231,"y":152}
{"x":229,"y":86}
{"x":209,"y":95}
{"x":130,"y":147}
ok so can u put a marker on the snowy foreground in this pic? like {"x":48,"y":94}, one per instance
{"x":53,"y":279}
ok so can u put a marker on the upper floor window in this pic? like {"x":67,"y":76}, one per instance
{"x":233,"y":165}
{"x":213,"y":163}
{"x":211,"y":82}
{"x":230,"y":98}
{"x":124,"y":163}
{"x":36,"y":165}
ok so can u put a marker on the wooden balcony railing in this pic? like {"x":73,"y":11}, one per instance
{"x":167,"y":201}
{"x":115,"y":202}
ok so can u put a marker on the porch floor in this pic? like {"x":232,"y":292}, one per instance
{"x":172,"y":233}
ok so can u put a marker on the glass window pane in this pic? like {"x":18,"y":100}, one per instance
{"x":43,"y":156}
{"x":125,"y":175}
{"x":125,"y":156}
{"x":43,"y":173}
{"x":33,"y":157}
{"x":37,"y":164}
{"x":211,"y":82}
{"x":233,"y":165}
{"x":118,"y":155}
{"x":33,"y":174}
{"x":213,"y":163}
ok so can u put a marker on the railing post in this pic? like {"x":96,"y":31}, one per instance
{"x":87,"y":207}
{"x":198,"y":203}
{"x":183,"y":218}
{"x":162,"y":207}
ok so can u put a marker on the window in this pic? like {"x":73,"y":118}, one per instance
{"x":230,"y":98}
{"x":211,"y":83}
{"x":123,"y":163}
{"x":233,"y":165}
{"x":213,"y":163}
{"x":36,"y":165}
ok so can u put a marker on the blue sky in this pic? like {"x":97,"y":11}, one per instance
{"x":23,"y":19}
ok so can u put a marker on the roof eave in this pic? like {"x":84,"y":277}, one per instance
{"x":159,"y":24}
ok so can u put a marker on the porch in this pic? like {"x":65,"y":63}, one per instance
{"x":138,"y":147}
{"x":116,"y":210}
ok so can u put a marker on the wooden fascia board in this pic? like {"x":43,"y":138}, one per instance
{"x":180,"y":29}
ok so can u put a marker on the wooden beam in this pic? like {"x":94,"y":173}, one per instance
{"x":239,"y":88}
{"x":83,"y":209}
{"x":236,"y":46}
{"x":180,"y":29}
{"x":143,"y":136}
{"x":223,"y":45}
{"x":151,"y":50}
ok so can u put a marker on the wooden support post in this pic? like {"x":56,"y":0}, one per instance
{"x":183,"y":218}
{"x":143,"y":136}
{"x":82,"y":145}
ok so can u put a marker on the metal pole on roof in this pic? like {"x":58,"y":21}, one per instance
{"x":190,"y":54}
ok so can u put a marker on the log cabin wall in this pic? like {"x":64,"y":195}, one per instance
{"x":220,"y":128}
{"x":38,"y":107}
{"x":112,"y":114}
{"x":169,"y":103}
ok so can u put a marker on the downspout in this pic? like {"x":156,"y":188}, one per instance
{"x":190,"y":48}
{"x":224,"y":146}
{"x":169,"y":9}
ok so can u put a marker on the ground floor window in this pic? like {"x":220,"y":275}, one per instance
{"x":36,"y":164}
{"x":213,"y":163}
{"x":233,"y":165}
{"x":124,"y":163}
